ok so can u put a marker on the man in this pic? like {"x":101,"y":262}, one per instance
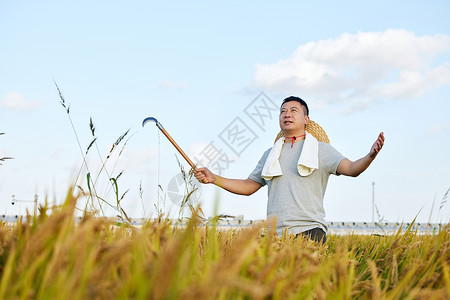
{"x":296,"y":171}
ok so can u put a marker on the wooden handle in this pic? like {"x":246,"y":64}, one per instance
{"x":178,"y":148}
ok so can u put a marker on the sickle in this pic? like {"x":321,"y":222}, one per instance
{"x":152,"y":119}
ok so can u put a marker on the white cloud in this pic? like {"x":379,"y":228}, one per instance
{"x":15,"y":101}
{"x":195,"y":150}
{"x":438,"y":128}
{"x":356,"y":69}
{"x":140,"y":161}
{"x":170,"y":85}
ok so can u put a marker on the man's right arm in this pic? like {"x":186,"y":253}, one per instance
{"x":236,"y":186}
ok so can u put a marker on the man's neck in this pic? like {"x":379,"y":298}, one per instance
{"x":289,"y":134}
{"x":294,"y":138}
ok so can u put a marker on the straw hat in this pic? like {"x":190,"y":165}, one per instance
{"x":315,"y":130}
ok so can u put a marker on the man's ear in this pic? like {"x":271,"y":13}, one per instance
{"x":307,"y":120}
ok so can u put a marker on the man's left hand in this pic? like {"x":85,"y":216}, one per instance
{"x":376,"y":147}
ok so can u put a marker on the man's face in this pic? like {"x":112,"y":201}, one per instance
{"x":293,"y":118}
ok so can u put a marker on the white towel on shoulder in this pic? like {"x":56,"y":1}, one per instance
{"x":307,"y":162}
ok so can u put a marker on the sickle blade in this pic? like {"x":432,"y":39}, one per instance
{"x":149,"y":119}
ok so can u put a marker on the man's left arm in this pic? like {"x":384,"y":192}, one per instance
{"x":354,"y":168}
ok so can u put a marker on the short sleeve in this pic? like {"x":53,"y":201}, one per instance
{"x":330,"y":158}
{"x":256,"y":174}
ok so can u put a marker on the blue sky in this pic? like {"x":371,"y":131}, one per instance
{"x":196,"y":66}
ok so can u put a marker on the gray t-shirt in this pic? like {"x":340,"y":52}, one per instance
{"x":295,"y":200}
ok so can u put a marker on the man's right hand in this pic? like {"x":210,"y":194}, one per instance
{"x":204,"y":175}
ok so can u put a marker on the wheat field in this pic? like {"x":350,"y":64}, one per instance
{"x":52,"y":256}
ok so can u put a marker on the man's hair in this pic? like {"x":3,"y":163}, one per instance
{"x":299,"y":100}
